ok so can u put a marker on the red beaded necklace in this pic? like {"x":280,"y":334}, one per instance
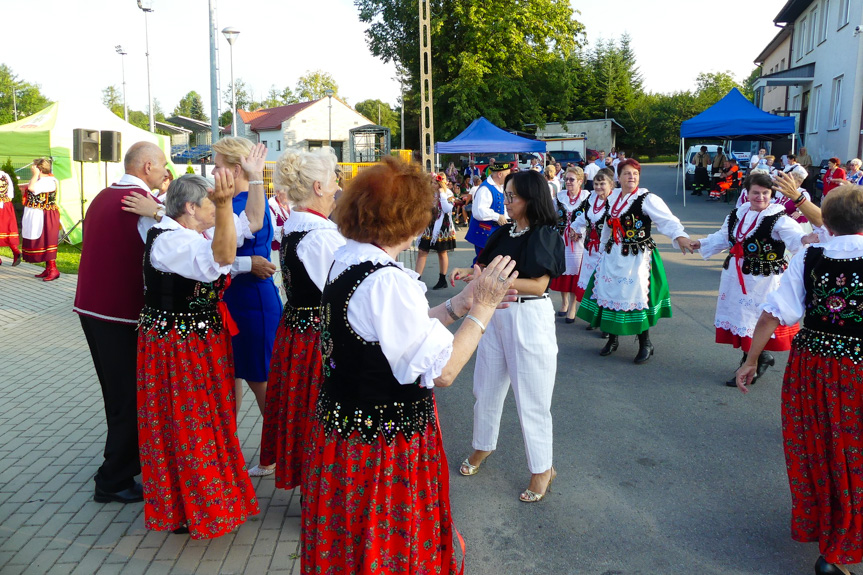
{"x":737,"y":233}
{"x":615,"y":210}
{"x":599,"y":205}
{"x":311,"y":211}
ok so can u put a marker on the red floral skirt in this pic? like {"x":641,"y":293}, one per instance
{"x":376,"y":509}
{"x":567,"y":284}
{"x":292,"y":393}
{"x":8,"y":226}
{"x":822,"y":399}
{"x":191,"y":462}
{"x":781,"y":340}
{"x":43,"y":248}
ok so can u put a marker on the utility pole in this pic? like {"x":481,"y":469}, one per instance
{"x":214,"y":77}
{"x":426,"y":107}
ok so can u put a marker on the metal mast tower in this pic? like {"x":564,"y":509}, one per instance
{"x":426,"y":111}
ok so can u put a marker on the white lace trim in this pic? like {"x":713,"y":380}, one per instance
{"x":735,"y":329}
{"x":354,"y":253}
{"x":304,"y":222}
{"x":439,"y":362}
{"x":773,"y":310}
{"x":617,"y":306}
{"x":843,"y":244}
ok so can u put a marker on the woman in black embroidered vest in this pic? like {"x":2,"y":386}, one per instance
{"x":588,"y":228}
{"x":375,"y":487}
{"x":570,"y":204}
{"x":192,"y":465}
{"x":309,"y":239}
{"x":521,"y":346}
{"x":756,"y":236}
{"x":822,"y":393}
{"x":628,"y":292}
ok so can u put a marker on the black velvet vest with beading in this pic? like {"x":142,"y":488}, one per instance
{"x":833,"y":324}
{"x":565,"y":217}
{"x":302,"y":297}
{"x":762,"y":255}
{"x":636,"y":230}
{"x":172,"y":302}
{"x":359,"y":392}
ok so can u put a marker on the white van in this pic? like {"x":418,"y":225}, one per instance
{"x":690,"y":161}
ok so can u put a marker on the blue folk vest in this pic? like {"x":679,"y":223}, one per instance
{"x":478,"y":232}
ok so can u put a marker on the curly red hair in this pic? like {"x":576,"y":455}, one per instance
{"x":386,"y":204}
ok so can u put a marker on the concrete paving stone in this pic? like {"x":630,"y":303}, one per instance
{"x":78,"y":548}
{"x":160,"y":568}
{"x":112,"y":534}
{"x":274,"y":518}
{"x":13,"y":569}
{"x":208,"y":567}
{"x":17,"y":540}
{"x":297,"y":567}
{"x":89,"y":510}
{"x":129,"y":513}
{"x":284,"y":554}
{"x":137,"y":526}
{"x":219,"y":548}
{"x":100,"y":521}
{"x":43,"y":514}
{"x":171,"y":548}
{"x":290,"y":530}
{"x":13,"y":520}
{"x":246,"y":534}
{"x":55,"y":524}
{"x":265,"y":543}
{"x":65,"y":492}
{"x":60,"y":569}
{"x":91,"y":562}
{"x":66,"y":537}
{"x":135,"y":567}
{"x":258,"y":564}
{"x":57,"y":479}
{"x":43,"y":562}
{"x":294,"y":508}
{"x":110,"y":569}
{"x":236,"y":560}
{"x":154,"y":539}
{"x":125,"y":548}
{"x":188,"y":560}
{"x":28,"y":553}
{"x":142,"y":554}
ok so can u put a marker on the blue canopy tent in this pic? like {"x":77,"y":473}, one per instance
{"x":483,"y":137}
{"x":733,"y":118}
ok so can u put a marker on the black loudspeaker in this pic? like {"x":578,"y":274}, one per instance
{"x":85,"y":145}
{"x":110,"y":146}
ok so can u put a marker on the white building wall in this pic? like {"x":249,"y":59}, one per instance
{"x":312,"y":124}
{"x":600,"y":134}
{"x":840,"y":53}
{"x":778,"y":60}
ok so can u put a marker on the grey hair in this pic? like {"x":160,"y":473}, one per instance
{"x":188,"y":188}
{"x":297,"y":171}
{"x":856,"y":162}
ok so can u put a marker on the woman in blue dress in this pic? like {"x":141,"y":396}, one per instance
{"x":252,"y":296}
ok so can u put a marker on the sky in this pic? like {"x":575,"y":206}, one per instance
{"x":73,"y":53}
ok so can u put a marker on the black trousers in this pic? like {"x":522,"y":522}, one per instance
{"x":114,"y":347}
{"x":702,"y":179}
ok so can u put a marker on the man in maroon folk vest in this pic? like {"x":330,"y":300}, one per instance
{"x":108,"y":301}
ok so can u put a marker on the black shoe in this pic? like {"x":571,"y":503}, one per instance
{"x":181,"y":530}
{"x":561,"y":313}
{"x":133,"y":494}
{"x":645,"y":348}
{"x":733,"y":381}
{"x":822,"y":567}
{"x":765,"y":360}
{"x":16,"y":259}
{"x":604,"y":335}
{"x":589,"y":328}
{"x":610,"y":346}
{"x":441,"y":282}
{"x":570,"y":320}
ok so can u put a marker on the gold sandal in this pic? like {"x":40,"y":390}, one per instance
{"x":467,"y":469}
{"x":528,"y":496}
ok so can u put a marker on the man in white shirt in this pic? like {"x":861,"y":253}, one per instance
{"x":590,"y":171}
{"x":534,"y":165}
{"x":755,"y":160}
{"x":489,"y":211}
{"x":793,"y":166}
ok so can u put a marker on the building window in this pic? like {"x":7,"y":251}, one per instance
{"x":812,"y":41}
{"x":825,"y":13}
{"x":265,"y":144}
{"x":782,"y":64}
{"x":844,"y":12}
{"x":801,"y":39}
{"x":795,"y":103}
{"x":814,"y":110}
{"x":836,"y":103}
{"x":278,"y":145}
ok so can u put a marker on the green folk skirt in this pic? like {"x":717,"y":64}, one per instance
{"x":638,"y":320}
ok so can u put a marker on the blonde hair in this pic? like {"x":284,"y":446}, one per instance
{"x":233,"y":149}
{"x":297,"y":171}
{"x":44,"y":165}
{"x":579,"y":173}
{"x":550,"y":171}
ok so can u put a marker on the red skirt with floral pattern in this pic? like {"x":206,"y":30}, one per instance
{"x":822,"y":399}
{"x":292,"y":393}
{"x":192,"y":465}
{"x":376,"y":509}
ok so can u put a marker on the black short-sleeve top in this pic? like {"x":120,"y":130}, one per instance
{"x":539,"y":252}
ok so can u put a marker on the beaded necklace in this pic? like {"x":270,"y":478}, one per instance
{"x":599,"y":205}
{"x":311,"y":211}
{"x":737,"y":233}
{"x":615,"y":210}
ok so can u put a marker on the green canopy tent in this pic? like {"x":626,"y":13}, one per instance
{"x":48,"y":133}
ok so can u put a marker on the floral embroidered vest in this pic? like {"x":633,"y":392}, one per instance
{"x":762,"y":255}
{"x":303,"y":298}
{"x":359,"y":392}
{"x":634,"y":230}
{"x":833,"y":324}
{"x":564,"y":217}
{"x":172,"y":302}
{"x":593,"y":230}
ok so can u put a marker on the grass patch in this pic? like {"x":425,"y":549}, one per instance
{"x":660,"y":159}
{"x":68,"y":258}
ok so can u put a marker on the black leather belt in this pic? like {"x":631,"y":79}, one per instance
{"x":524,"y":298}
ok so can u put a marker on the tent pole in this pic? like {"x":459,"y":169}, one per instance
{"x":794,"y":143}
{"x":677,"y":178}
{"x":682,"y":171}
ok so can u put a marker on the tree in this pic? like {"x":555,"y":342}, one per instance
{"x":713,"y":86}
{"x":273,"y":98}
{"x":749,"y":84}
{"x":190,"y":106}
{"x":314,"y":85}
{"x":28,"y":97}
{"x":113,"y":100}
{"x":382,"y":114}
{"x":244,"y":98}
{"x":226,"y":119}
{"x":287,"y":96}
{"x":488,"y":57}
{"x":158,"y":113}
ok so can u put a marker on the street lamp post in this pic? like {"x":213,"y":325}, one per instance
{"x":147,"y":6}
{"x":329,"y":94}
{"x":122,"y":54}
{"x":231,"y":35}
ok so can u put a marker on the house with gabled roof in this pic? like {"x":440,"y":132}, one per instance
{"x":304,"y":125}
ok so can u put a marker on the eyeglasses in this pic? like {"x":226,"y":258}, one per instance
{"x":570,"y":179}
{"x":509,"y":196}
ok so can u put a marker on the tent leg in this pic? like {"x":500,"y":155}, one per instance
{"x":794,"y":143}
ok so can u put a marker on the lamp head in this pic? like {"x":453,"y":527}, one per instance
{"x":329,"y":93}
{"x":145,"y":5}
{"x":120,"y":50}
{"x":231,"y":34}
